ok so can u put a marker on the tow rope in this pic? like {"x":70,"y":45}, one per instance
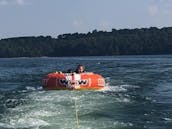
{"x":76,"y":115}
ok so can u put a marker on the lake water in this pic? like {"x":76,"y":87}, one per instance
{"x":138,"y":94}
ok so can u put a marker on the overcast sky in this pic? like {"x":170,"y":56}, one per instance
{"x":54,"y":17}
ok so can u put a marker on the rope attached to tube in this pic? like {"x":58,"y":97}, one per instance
{"x":76,"y":116}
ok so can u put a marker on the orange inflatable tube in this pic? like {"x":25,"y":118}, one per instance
{"x":73,"y":81}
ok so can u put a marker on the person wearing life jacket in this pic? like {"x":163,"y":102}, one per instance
{"x":80,"y":69}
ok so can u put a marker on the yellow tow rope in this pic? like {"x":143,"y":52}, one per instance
{"x":76,"y":116}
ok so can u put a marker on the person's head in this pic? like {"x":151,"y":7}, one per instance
{"x":80,"y":69}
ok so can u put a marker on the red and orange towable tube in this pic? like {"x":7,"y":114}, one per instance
{"x":73,"y":81}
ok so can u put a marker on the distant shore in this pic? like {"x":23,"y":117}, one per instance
{"x":144,"y":41}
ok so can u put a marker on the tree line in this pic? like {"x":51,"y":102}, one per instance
{"x":142,"y":41}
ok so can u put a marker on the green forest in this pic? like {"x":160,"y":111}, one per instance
{"x":144,"y":41}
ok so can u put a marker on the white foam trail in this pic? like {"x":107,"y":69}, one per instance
{"x":122,"y":124}
{"x":168,"y":119}
{"x":27,"y":122}
{"x":24,"y":123}
{"x":30,"y":88}
{"x":130,"y":86}
{"x":104,"y":124}
{"x":124,"y":100}
{"x":54,"y":108}
{"x":115,"y":88}
{"x":4,"y":125}
{"x":42,"y":113}
{"x":119,"y":88}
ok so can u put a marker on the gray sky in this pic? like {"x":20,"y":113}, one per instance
{"x":54,"y":17}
